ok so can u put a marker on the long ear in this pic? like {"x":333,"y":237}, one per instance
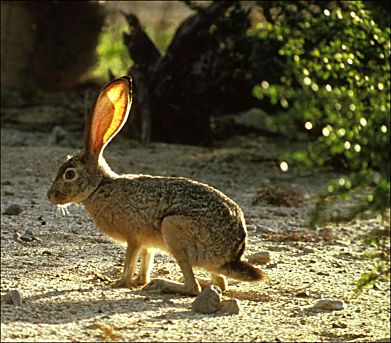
{"x":108,"y":115}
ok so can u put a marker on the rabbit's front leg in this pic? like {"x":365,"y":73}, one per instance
{"x":132,"y":252}
{"x":146,"y":264}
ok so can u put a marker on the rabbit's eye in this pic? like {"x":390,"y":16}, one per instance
{"x":69,"y":174}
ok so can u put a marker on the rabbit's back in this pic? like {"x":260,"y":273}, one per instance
{"x":136,"y":206}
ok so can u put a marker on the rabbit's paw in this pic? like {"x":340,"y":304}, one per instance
{"x":140,"y":280}
{"x":122,"y":283}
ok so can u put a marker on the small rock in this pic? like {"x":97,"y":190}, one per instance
{"x":329,"y":305}
{"x":255,"y":118}
{"x":12,"y":297}
{"x":208,"y":301}
{"x":303,"y":294}
{"x":6,"y":298}
{"x":308,"y":250}
{"x":46,"y":252}
{"x":272,"y":266}
{"x":28,"y":236}
{"x":13,"y":210}
{"x":231,"y":306}
{"x":260,"y":258}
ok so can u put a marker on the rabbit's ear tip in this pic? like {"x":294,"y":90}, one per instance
{"x":127,"y":77}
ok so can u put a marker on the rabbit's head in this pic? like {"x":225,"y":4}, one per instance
{"x":81,"y":175}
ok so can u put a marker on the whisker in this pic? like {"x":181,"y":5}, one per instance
{"x":64,"y":209}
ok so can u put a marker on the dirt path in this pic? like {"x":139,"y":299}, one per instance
{"x":63,"y":274}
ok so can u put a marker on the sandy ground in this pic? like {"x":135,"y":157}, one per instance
{"x":63,"y":275}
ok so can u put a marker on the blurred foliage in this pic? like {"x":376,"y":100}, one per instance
{"x":112,"y":52}
{"x":334,"y":90}
{"x":379,"y":240}
{"x":335,"y":84}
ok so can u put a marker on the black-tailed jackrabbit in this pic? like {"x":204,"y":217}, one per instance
{"x":196,"y":223}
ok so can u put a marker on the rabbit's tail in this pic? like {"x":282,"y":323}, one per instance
{"x":241,"y":270}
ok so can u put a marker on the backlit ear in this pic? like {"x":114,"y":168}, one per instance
{"x":109,"y":114}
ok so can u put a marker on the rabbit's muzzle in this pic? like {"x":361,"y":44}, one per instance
{"x":56,"y":197}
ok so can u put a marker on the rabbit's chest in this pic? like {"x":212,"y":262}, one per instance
{"x":121,"y":220}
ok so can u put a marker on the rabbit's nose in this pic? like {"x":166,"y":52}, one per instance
{"x":52,"y":195}
{"x":49,"y":194}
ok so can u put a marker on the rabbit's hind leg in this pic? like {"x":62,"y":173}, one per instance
{"x":176,"y":236}
{"x":216,"y":279}
{"x":219,"y":280}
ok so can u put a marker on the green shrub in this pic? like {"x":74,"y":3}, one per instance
{"x":335,"y":84}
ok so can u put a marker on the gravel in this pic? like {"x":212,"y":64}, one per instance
{"x":64,"y":274}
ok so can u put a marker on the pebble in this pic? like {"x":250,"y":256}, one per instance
{"x":272,"y":266}
{"x":26,"y":237}
{"x":12,"y":297}
{"x":303,"y":294}
{"x":308,"y":250}
{"x":329,"y":305}
{"x":208,"y":301}
{"x":260,"y":258}
{"x":13,"y":210}
{"x":231,"y":306}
